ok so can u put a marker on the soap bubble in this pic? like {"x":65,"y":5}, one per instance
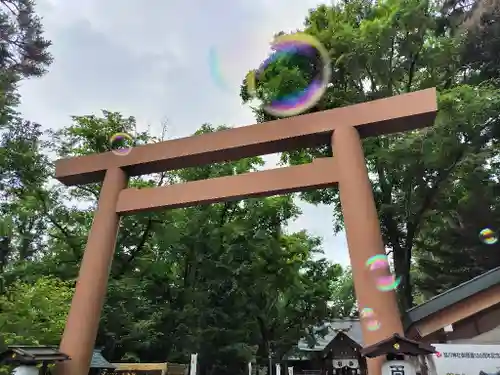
{"x":383,"y":283}
{"x":121,"y":143}
{"x":303,"y":45}
{"x":377,"y":262}
{"x":373,"y":325}
{"x":488,"y":236}
{"x":369,"y":320}
{"x":386,"y":283}
{"x":216,"y":69}
{"x":367,"y":312}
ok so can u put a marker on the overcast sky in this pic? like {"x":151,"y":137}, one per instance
{"x":153,"y":63}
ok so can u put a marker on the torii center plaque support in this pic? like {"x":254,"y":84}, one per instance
{"x":342,"y":128}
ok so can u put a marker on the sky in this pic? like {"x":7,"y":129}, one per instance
{"x":152,"y":62}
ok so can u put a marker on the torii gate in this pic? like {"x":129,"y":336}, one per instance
{"x":340,"y":127}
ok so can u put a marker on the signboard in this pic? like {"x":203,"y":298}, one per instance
{"x":145,"y":369}
{"x":463,"y":359}
{"x":398,"y":368}
{"x":26,"y":370}
{"x":193,"y":363}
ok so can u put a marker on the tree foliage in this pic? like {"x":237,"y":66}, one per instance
{"x":224,"y":280}
{"x":23,"y":52}
{"x":385,"y":48}
{"x":227,"y":280}
{"x":35,"y":314}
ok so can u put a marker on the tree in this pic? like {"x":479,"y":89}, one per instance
{"x":23,"y":170}
{"x":223,"y":280}
{"x":388,"y":48}
{"x":23,"y":51}
{"x":344,"y":300}
{"x":482,"y":41}
{"x":35,"y":314}
{"x":23,"y":166}
{"x":470,"y":209}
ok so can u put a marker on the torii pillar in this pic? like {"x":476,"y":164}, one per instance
{"x":342,"y":128}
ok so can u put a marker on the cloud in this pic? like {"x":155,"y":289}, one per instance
{"x":151,"y":60}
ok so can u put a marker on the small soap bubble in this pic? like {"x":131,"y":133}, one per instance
{"x":383,"y":283}
{"x":121,"y":143}
{"x":367,"y":312}
{"x":373,"y":325}
{"x":387,"y":283}
{"x":488,"y":236}
{"x":369,"y":319}
{"x":377,"y":262}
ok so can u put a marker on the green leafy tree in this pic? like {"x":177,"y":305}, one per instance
{"x":35,"y":314}
{"x":344,"y":300}
{"x":23,"y":166}
{"x":23,"y":171}
{"x":388,"y":48}
{"x":223,"y":280}
{"x":468,"y":211}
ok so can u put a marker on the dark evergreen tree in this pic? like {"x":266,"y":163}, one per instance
{"x":23,"y":51}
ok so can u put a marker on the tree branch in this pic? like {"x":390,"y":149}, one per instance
{"x":414,"y":225}
{"x":138,"y":248}
{"x":390,"y":83}
{"x":69,"y":237}
{"x":386,"y":190}
{"x":411,"y":71}
{"x":90,"y":191}
{"x":145,"y":234}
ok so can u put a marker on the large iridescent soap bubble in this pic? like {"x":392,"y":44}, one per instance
{"x":302,"y":100}
{"x":121,"y":143}
{"x":488,"y":236}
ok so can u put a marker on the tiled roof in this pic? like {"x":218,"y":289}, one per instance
{"x":452,"y":296}
{"x":24,"y":353}
{"x":350,"y":327}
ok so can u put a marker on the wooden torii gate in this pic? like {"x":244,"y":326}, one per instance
{"x":342,"y":128}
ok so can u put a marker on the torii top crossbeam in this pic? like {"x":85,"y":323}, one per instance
{"x":384,"y":116}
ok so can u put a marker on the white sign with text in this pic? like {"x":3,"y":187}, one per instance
{"x":463,"y":359}
{"x":398,"y":368}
